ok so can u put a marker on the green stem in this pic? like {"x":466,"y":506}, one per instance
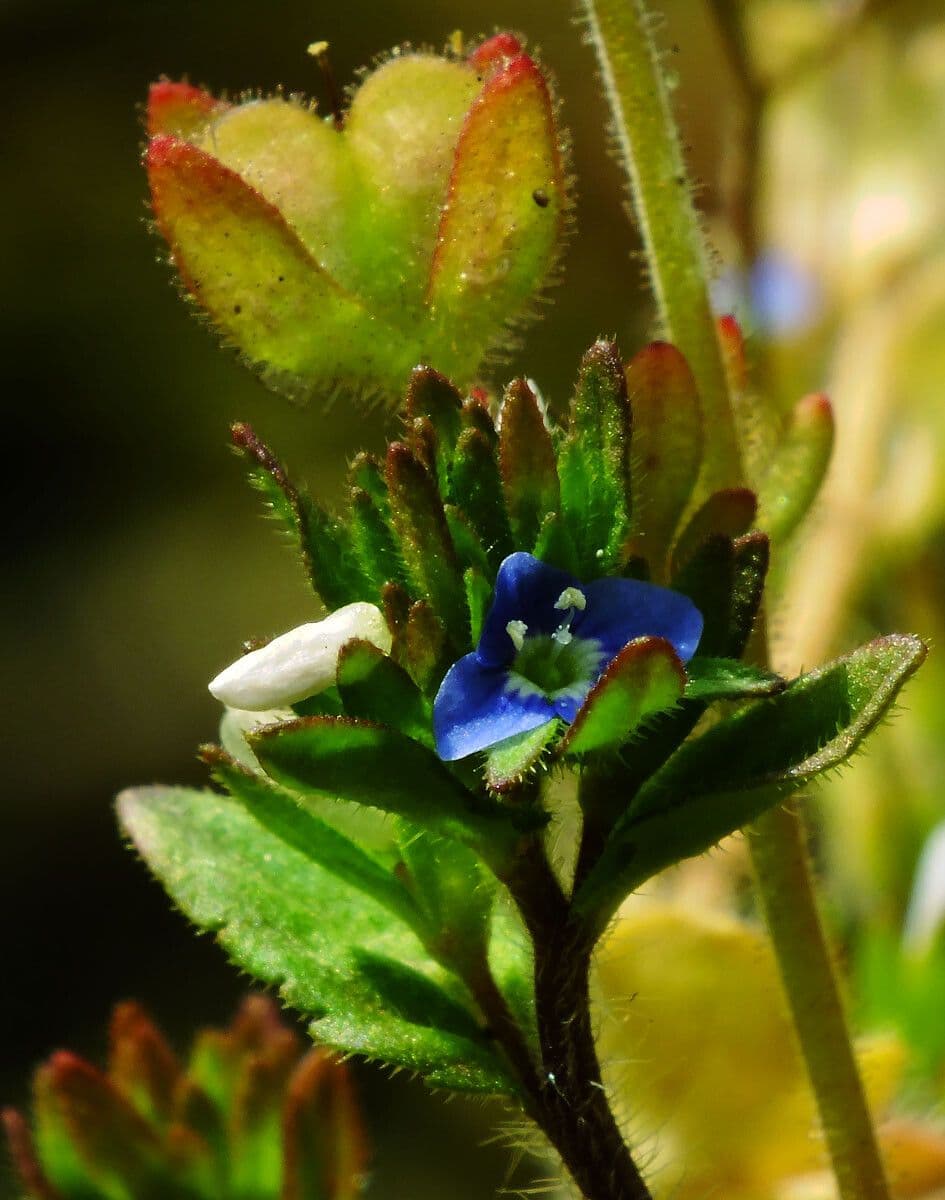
{"x":662,"y":198}
{"x":651,"y":154}
{"x":782,"y":870}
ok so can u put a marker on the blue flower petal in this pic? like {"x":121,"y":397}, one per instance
{"x":619,"y":610}
{"x":475,"y":708}
{"x":525,"y":590}
{"x":567,"y":706}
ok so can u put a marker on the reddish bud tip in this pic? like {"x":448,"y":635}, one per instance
{"x":492,"y":54}
{"x":179,"y":108}
{"x":733,"y":352}
{"x":814,"y":409}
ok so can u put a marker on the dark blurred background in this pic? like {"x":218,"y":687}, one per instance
{"x":135,"y":559}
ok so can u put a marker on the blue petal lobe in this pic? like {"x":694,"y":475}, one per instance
{"x":475,"y":708}
{"x":525,"y":590}
{"x":619,"y":610}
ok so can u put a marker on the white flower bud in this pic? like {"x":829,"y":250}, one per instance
{"x":299,"y":663}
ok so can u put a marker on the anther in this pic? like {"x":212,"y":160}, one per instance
{"x":572,"y":597}
{"x":516,"y":631}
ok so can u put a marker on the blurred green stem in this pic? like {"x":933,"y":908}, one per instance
{"x":784,"y":883}
{"x":651,"y":155}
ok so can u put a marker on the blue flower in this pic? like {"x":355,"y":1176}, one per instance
{"x":544,"y":644}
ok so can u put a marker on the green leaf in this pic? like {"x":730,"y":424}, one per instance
{"x":476,"y":489}
{"x":528,"y":463}
{"x":425,"y":646}
{"x":417,"y":513}
{"x":727,"y":679}
{"x":644,"y":679}
{"x":374,"y":543}
{"x":478,"y":599}
{"x":328,"y":552}
{"x":509,"y":761}
{"x":512,"y":962}
{"x":375,"y":766}
{"x":269,"y":477}
{"x":666,"y":446}
{"x":431,"y":395}
{"x":726,"y":778}
{"x":456,"y":895}
{"x":725,"y":580}
{"x":752,"y":555}
{"x":793,"y":479}
{"x":333,"y":562}
{"x":593,"y":464}
{"x":475,"y":414}
{"x":728,"y":513}
{"x":555,"y":545}
{"x":469,"y":549}
{"x":285,"y":818}
{"x":373,"y":687}
{"x":333,"y":952}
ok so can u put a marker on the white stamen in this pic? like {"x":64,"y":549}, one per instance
{"x":299,"y":663}
{"x":562,"y":635}
{"x":516,"y":631}
{"x":572,"y":597}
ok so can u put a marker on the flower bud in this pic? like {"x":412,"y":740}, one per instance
{"x":299,"y":663}
{"x":412,"y":230}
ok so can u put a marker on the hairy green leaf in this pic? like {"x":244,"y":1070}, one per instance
{"x":334,"y":953}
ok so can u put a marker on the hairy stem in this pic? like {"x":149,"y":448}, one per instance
{"x":570,"y":1104}
{"x":782,"y":869}
{"x":662,"y":199}
{"x":650,"y":150}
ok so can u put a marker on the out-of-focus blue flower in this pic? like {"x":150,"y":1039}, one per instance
{"x":544,"y":644}
{"x":778,"y":296}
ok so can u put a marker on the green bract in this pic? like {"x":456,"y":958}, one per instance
{"x":412,"y":230}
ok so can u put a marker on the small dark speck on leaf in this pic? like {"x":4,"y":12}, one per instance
{"x":282,"y":279}
{"x":540,"y":196}
{"x":237,"y":308}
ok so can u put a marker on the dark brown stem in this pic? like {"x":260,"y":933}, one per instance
{"x":570,"y":1105}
